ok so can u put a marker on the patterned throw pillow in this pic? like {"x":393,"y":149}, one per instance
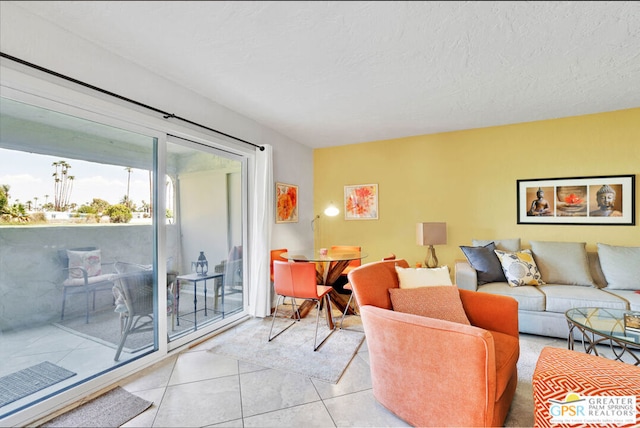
{"x":520,"y":268}
{"x":440,"y":301}
{"x":87,"y":260}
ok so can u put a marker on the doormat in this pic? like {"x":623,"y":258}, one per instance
{"x":25,"y":382}
{"x":112,"y":409}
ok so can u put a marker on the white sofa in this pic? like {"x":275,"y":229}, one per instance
{"x":572,"y":277}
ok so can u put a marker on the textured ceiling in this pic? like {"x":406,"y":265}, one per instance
{"x":333,"y":73}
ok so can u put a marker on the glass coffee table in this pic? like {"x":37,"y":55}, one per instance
{"x":602,"y":326}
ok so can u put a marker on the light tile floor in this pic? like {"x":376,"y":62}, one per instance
{"x":198,"y":388}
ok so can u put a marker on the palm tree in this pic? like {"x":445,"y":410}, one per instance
{"x":35,"y":198}
{"x":128,"y":169}
{"x":62,"y":183}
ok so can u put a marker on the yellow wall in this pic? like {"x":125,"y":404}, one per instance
{"x":468,"y":179}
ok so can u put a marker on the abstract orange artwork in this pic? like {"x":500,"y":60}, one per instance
{"x":361,"y":202}
{"x":286,"y":203}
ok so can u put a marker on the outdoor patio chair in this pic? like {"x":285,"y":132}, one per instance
{"x":84,"y":274}
{"x":133,"y":292}
{"x":233,"y":281}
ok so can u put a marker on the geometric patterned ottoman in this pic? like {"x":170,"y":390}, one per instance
{"x":573,"y":389}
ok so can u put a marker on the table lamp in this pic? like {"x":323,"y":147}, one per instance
{"x":430,"y":234}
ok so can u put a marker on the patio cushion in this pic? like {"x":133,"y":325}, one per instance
{"x":73,"y":282}
{"x":90,"y":261}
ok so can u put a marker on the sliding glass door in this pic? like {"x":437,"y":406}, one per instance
{"x":205,"y":239}
{"x":77,"y":248}
{"x":117,"y":243}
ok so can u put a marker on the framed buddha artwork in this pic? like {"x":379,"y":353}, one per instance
{"x":599,"y":200}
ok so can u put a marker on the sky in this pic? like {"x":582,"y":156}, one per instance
{"x":31,"y":175}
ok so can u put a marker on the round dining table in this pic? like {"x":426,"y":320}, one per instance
{"x":329,"y":266}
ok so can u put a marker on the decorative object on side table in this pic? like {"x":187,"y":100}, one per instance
{"x":430,"y":234}
{"x":202,"y":265}
{"x":632,"y":321}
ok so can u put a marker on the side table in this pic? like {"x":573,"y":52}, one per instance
{"x":195,"y":278}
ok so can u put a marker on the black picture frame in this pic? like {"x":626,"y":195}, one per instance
{"x":575,"y":200}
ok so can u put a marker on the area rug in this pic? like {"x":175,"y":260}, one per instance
{"x":25,"y":382}
{"x":521,"y":411}
{"x":292,"y":350}
{"x":112,"y":409}
{"x":104,"y":328}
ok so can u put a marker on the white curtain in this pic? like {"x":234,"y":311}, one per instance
{"x":261,"y":225}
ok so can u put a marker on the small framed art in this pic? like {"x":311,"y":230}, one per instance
{"x":600,"y":200}
{"x":361,"y":202}
{"x":286,"y":203}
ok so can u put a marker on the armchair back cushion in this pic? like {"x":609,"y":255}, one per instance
{"x":439,"y":301}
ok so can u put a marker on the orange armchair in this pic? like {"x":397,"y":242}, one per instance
{"x":432,"y":372}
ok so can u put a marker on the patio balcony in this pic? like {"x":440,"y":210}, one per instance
{"x":31,"y":278}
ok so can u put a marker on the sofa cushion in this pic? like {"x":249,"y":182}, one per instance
{"x":501,"y":244}
{"x":631,"y":296}
{"x":441,"y":302}
{"x":561,"y":298}
{"x":529,"y":297}
{"x":621,"y":266}
{"x":519,"y":268}
{"x":596,"y":270}
{"x":423,"y":277}
{"x":562,"y":262}
{"x":485,"y":262}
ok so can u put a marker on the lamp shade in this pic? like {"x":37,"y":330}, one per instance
{"x":331,"y":211}
{"x":431,"y":233}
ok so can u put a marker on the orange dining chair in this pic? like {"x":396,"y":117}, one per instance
{"x":348,"y":286}
{"x":276,"y":255}
{"x":298,"y":281}
{"x":353,"y":263}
